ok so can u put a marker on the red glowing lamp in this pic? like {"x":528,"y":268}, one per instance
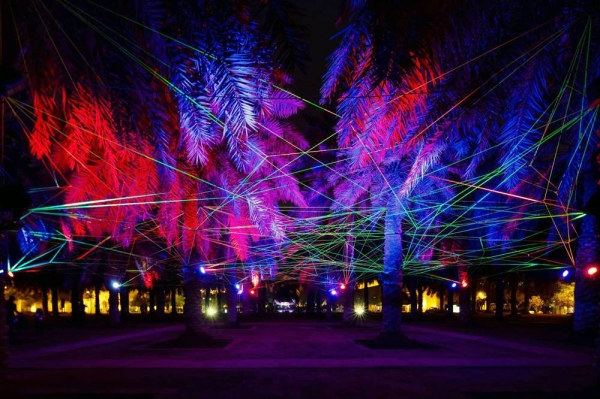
{"x":464,"y":284}
{"x":342,"y":286}
{"x":591,"y":271}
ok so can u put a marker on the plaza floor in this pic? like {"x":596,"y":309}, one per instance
{"x":301,"y":359}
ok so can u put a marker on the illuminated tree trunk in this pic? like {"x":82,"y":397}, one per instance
{"x":192,"y":308}
{"x":586,"y":318}
{"x":391,"y":277}
{"x":348,"y":316}
{"x":587,"y":295}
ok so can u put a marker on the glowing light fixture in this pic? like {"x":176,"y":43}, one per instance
{"x":342,"y":286}
{"x":453,"y":285}
{"x":115,"y":285}
{"x":464,"y":284}
{"x":359,"y":311}
{"x":591,"y":271}
{"x":333,"y":292}
{"x":211,"y":312}
{"x":565,"y":273}
{"x":202,"y":270}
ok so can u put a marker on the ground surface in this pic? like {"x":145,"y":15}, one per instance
{"x":526,"y":357}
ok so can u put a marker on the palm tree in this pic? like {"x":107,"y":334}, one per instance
{"x":219,"y":103}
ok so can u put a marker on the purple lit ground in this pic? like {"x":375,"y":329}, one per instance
{"x":523,"y":358}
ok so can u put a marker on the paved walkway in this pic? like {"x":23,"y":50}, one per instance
{"x":302,"y":357}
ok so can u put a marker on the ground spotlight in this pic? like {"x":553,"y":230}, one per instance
{"x":202,"y":270}
{"x":115,"y":285}
{"x":454,"y":285}
{"x":359,"y":311}
{"x":211,"y":312}
{"x":565,"y":273}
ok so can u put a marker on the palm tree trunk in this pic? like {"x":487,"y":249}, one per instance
{"x":329,"y":306}
{"x":450,"y":310}
{"x":75,"y":300}
{"x":412,"y":291}
{"x":173,"y":301}
{"x":366,"y":296}
{"x":419,"y":297}
{"x":391,"y":277}
{"x":192,"y":308}
{"x":246,"y":302}
{"x":113,"y":307}
{"x":525,"y":294}
{"x":464,"y":297}
{"x":152,"y":301}
{"x":54,"y":292}
{"x":124,"y":298}
{"x":3,"y":335}
{"x":232,"y":299}
{"x":499,"y":296}
{"x":219,"y":300}
{"x":473,"y":290}
{"x":45,"y":300}
{"x":160,"y":303}
{"x":348,"y":316}
{"x":489,"y":295}
{"x":206,"y":297}
{"x":441,"y":294}
{"x":319,"y":301}
{"x":97,"y":298}
{"x":587,"y":295}
{"x":514,"y":282}
{"x":262,"y":298}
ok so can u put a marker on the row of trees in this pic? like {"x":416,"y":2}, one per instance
{"x":465,"y":140}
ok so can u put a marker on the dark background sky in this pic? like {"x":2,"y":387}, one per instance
{"x":320,"y":19}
